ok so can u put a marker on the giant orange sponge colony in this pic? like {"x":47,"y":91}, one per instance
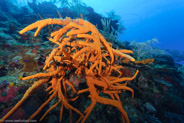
{"x":83,"y":51}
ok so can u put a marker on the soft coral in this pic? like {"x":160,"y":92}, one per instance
{"x":10,"y":91}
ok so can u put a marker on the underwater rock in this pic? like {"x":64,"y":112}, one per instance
{"x":125,"y":44}
{"x":7,"y":39}
{"x":7,"y":6}
{"x":27,"y":10}
{"x":6,"y":19}
{"x":8,"y":78}
{"x":181,"y":69}
{"x":164,"y":60}
{"x":94,"y":17}
{"x":161,"y":81}
{"x":31,"y":105}
{"x":3,"y":71}
{"x":3,"y":30}
{"x":30,"y":18}
{"x":3,"y":84}
{"x":51,"y":9}
{"x":177,"y":55}
{"x":14,"y":66}
{"x":53,"y":119}
{"x":182,"y":84}
{"x":3,"y":16}
{"x":12,"y":42}
{"x":149,"y":107}
{"x":14,"y":14}
{"x":41,"y":7}
{"x":151,"y":119}
{"x":17,"y":37}
{"x":66,"y":12}
{"x":2,"y":106}
{"x":173,"y":117}
{"x":12,"y":27}
{"x":5,"y":36}
{"x":24,"y":15}
{"x":19,"y":114}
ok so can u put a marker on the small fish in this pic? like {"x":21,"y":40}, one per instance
{"x":11,"y":83}
{"x":20,"y":77}
{"x":26,"y":60}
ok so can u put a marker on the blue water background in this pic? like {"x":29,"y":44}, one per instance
{"x":144,"y":20}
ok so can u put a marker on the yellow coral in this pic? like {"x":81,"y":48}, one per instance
{"x":83,"y":50}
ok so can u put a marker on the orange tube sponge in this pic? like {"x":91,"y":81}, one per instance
{"x":145,"y":61}
{"x":84,"y":51}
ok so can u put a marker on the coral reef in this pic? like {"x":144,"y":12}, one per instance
{"x":29,"y":63}
{"x":7,"y":91}
{"x":84,"y":51}
{"x":156,"y":84}
{"x":144,"y":50}
{"x":108,"y":31}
